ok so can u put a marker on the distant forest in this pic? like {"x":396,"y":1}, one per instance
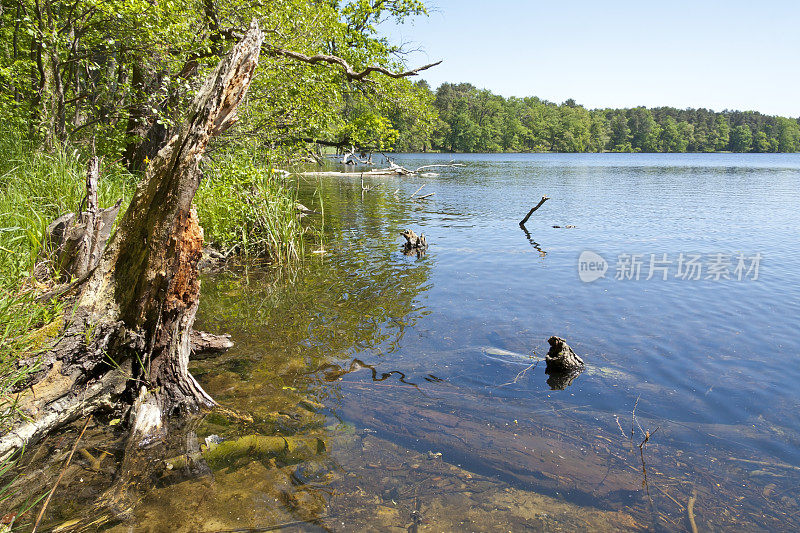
{"x":476,"y":120}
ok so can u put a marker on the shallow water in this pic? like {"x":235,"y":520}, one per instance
{"x":391,"y":360}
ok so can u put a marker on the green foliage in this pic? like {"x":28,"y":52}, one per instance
{"x":474,"y":120}
{"x":35,"y":188}
{"x":240,"y":204}
{"x":741,"y":139}
{"x":243,"y":203}
{"x":120,"y":75}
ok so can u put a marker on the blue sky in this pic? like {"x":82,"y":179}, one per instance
{"x":714,"y":54}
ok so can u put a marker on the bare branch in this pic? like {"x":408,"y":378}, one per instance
{"x":348,"y":70}
{"x":537,"y":206}
{"x":236,"y":34}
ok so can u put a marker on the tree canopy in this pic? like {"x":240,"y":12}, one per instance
{"x":119,"y":74}
{"x":476,"y":120}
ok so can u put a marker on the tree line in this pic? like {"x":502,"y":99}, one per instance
{"x":118,"y":76}
{"x":468,"y":119}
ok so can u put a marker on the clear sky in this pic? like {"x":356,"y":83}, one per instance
{"x":617,"y":53}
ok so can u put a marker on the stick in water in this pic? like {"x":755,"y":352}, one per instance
{"x":58,"y":480}
{"x":690,"y":510}
{"x":537,"y":206}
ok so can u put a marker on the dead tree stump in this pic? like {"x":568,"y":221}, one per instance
{"x":130,"y":334}
{"x":78,"y":239}
{"x":415,"y":244}
{"x":560,"y":357}
{"x":563,"y":364}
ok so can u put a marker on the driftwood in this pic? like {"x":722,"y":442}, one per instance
{"x":77,"y":240}
{"x":537,"y":206}
{"x":392,"y":170}
{"x":350,"y":158}
{"x":130,"y":333}
{"x":563,"y":364}
{"x":204,"y":345}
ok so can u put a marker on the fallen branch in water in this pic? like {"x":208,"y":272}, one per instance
{"x":537,"y":206}
{"x":392,"y":170}
{"x":690,"y":510}
{"x":365,"y":188}
{"x":765,"y":463}
{"x":415,"y":192}
{"x":522,"y":373}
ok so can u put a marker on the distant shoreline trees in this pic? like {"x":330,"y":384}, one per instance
{"x":477,"y":120}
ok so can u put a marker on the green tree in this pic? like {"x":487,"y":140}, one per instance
{"x":722,"y":134}
{"x":741,"y":138}
{"x":620,"y":133}
{"x":761,"y":142}
{"x":788,"y":135}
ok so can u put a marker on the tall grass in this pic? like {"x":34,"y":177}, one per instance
{"x":244,"y":204}
{"x":241,"y":205}
{"x":35,"y":188}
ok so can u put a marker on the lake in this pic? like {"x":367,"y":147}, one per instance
{"x":420,"y":380}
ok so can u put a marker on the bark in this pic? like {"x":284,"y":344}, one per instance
{"x":413,"y":240}
{"x":348,"y":70}
{"x":415,"y":244}
{"x":135,"y":313}
{"x":205,"y":345}
{"x":78,"y":240}
{"x":534,"y":208}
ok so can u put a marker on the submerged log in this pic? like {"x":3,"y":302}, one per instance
{"x":135,"y":313}
{"x":217,"y":453}
{"x":205,"y":345}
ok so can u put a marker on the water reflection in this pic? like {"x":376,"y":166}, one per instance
{"x":535,"y":244}
{"x":371,"y":390}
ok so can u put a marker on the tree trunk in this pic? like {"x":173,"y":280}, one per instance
{"x":134,"y":316}
{"x":145,"y":134}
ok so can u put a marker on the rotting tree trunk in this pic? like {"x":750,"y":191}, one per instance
{"x":131,"y":329}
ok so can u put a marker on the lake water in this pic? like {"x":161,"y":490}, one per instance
{"x":423,"y":380}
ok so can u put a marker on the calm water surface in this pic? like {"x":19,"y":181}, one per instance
{"x":420,"y":374}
